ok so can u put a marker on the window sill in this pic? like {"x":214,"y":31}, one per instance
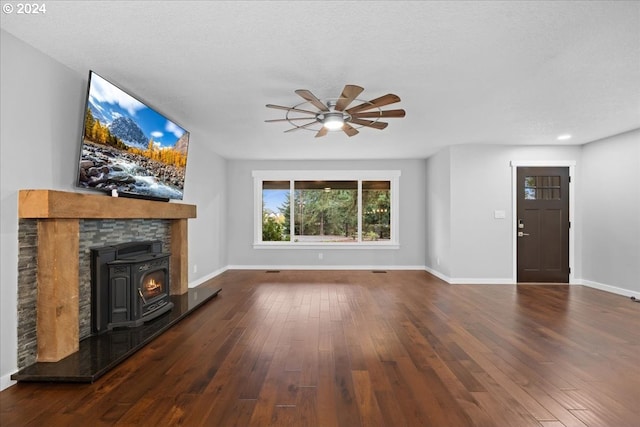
{"x":327,"y":246}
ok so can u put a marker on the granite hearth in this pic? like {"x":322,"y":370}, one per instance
{"x":100,"y":353}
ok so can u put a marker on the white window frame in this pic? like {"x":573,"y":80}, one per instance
{"x":393,"y":176}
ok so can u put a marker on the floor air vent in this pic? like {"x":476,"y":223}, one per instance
{"x":379,"y":271}
{"x":273,"y":271}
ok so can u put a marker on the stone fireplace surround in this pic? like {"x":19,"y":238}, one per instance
{"x":59,"y":216}
{"x":93,"y":233}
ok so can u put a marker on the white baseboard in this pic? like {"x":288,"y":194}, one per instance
{"x":438,"y":274}
{"x":6,"y":381}
{"x":209,"y":276}
{"x":465,"y":281}
{"x":609,"y":288}
{"x":495,"y":281}
{"x":326,"y":267}
{"x":374,"y":267}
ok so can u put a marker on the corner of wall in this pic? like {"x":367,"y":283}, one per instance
{"x":6,"y":381}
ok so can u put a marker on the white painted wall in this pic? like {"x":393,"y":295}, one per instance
{"x":611,"y":213}
{"x":41,"y":123}
{"x":240,"y":219}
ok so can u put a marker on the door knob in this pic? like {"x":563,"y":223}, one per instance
{"x":522,"y":234}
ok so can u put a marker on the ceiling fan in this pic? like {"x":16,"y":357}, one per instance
{"x":332,"y":114}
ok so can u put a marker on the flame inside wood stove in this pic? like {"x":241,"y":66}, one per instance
{"x":152,"y":287}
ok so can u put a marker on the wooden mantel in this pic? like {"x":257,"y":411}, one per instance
{"x":62,"y":204}
{"x":58,"y":214}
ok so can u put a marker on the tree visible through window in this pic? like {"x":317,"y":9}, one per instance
{"x":327,"y":211}
{"x":275,"y":211}
{"x":376,"y":210}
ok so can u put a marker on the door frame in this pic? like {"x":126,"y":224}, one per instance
{"x":515,"y":164}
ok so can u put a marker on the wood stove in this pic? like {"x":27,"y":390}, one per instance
{"x":130,"y":284}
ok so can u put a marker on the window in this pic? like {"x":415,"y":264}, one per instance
{"x":326,"y":208}
{"x":376,"y":210}
{"x":275,"y":225}
{"x":325,"y":211}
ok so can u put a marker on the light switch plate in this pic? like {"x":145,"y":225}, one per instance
{"x":499,"y":214}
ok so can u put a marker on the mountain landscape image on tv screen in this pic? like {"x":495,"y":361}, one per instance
{"x":129,"y":147}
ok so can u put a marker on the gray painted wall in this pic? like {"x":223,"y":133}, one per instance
{"x":481,"y":247}
{"x":240,"y":218}
{"x":41,"y":123}
{"x":41,"y":112}
{"x":206,"y":187}
{"x":438,"y":212}
{"x":611,"y":212}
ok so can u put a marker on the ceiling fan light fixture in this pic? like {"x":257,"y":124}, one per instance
{"x":333,"y":121}
{"x":330,"y":115}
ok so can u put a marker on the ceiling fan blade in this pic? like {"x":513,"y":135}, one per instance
{"x":308,"y":96}
{"x":349,"y":130}
{"x":375,"y":114}
{"x":369,"y":123}
{"x":287,"y":120}
{"x":297,"y":110}
{"x":349,"y":93}
{"x":375,"y":103}
{"x":322,"y":132}
{"x":302,"y":127}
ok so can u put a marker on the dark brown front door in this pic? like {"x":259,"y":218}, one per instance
{"x":543,"y":224}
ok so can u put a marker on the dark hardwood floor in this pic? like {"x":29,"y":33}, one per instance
{"x":358,"y":348}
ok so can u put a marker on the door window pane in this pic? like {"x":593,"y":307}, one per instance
{"x":275,"y":211}
{"x":376,"y":210}
{"x":326,"y":211}
{"x":542,"y":188}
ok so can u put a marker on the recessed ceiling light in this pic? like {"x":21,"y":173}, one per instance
{"x":564,"y":137}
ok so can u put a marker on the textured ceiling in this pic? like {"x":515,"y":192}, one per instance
{"x":486,"y":72}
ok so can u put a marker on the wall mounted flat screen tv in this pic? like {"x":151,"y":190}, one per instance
{"x":129,"y":147}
